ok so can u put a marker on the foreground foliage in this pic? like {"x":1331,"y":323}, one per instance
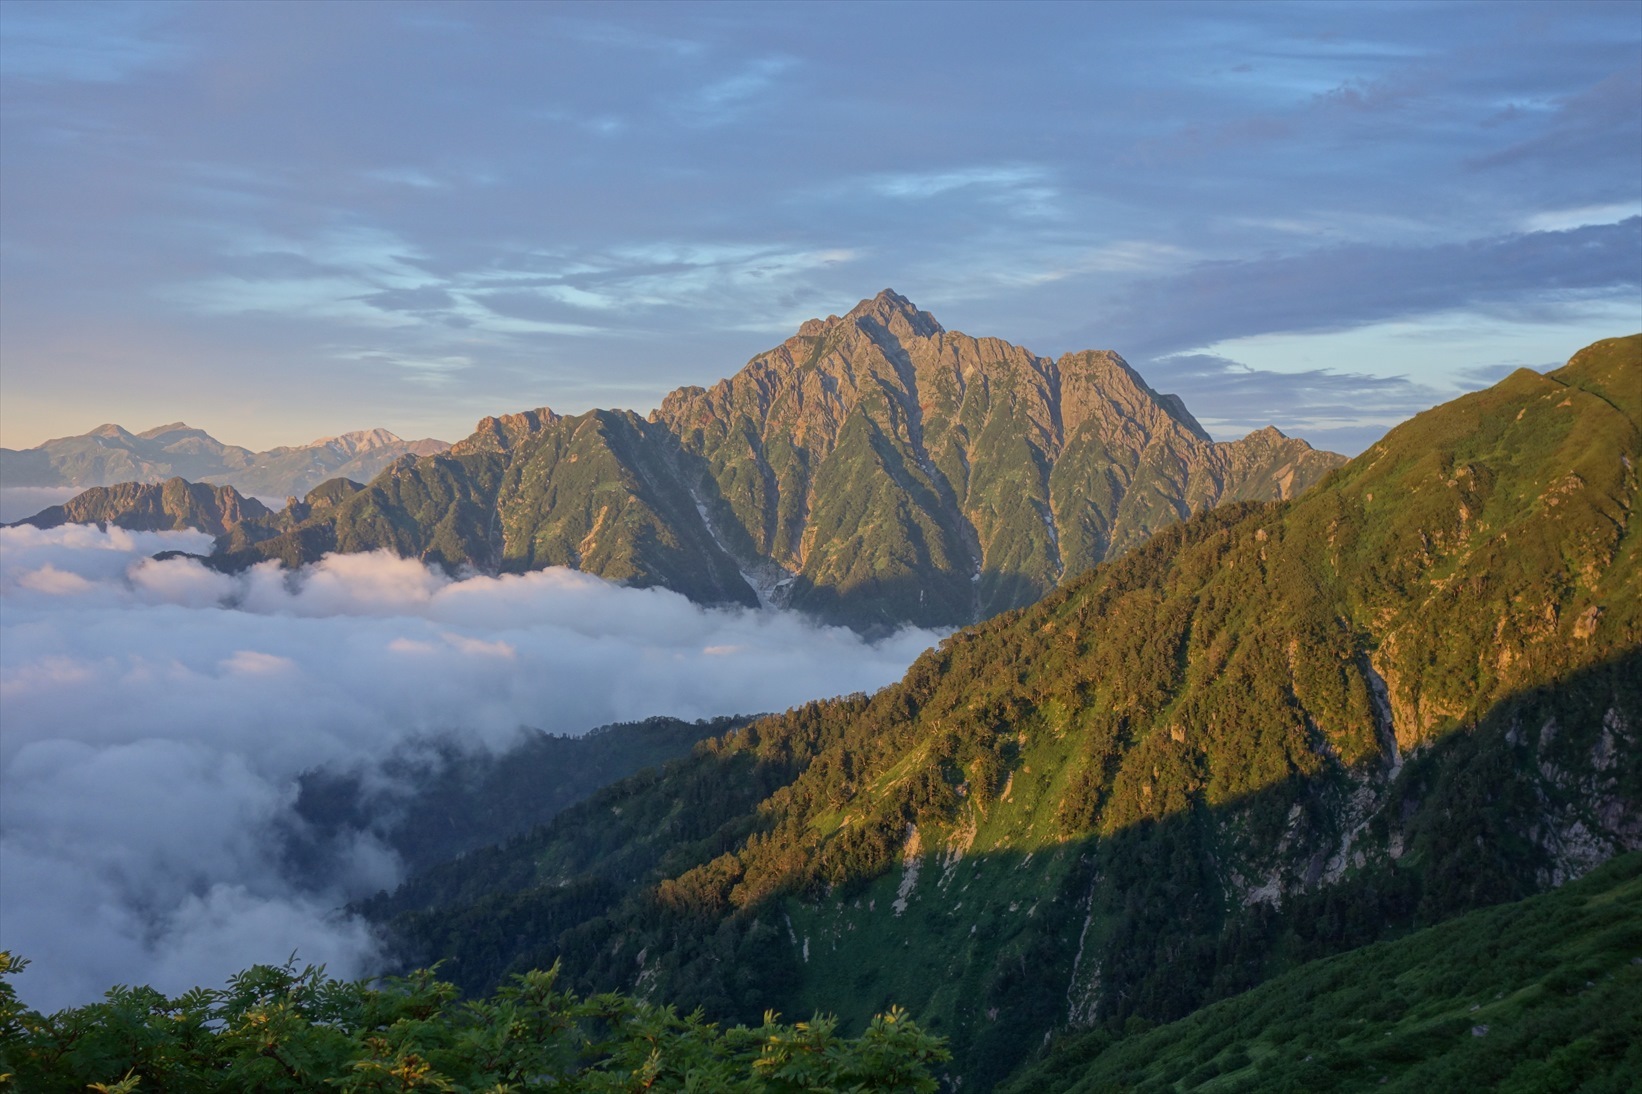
{"x":1538,"y":996}
{"x":279,"y":1029}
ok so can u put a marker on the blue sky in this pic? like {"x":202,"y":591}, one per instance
{"x":287,"y":220}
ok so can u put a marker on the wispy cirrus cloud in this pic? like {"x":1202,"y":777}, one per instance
{"x":372,"y":279}
{"x":1353,"y":285}
{"x":1599,"y":124}
{"x":557,"y":187}
{"x":98,"y":43}
{"x":1338,"y":409}
{"x":1013,"y":189}
{"x":731,"y":98}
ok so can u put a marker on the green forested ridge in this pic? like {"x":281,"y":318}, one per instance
{"x":432,"y":800}
{"x":872,"y":470}
{"x":1272,"y":733}
{"x":110,"y":455}
{"x":277,"y":1029}
{"x":1532,"y":997}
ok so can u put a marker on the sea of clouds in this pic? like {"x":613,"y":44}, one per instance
{"x":157,"y":716}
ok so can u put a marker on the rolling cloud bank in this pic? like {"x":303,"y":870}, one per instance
{"x":158,"y":715}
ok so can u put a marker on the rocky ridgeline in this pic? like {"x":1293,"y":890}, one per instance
{"x":170,"y":506}
{"x":875,"y":469}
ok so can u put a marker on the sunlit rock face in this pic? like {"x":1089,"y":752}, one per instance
{"x":874,"y":469}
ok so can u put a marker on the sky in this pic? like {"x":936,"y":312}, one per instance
{"x":282,"y":221}
{"x":158,"y":715}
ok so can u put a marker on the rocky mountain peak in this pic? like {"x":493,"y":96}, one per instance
{"x":874,"y":469}
{"x":360,"y":440}
{"x":896,"y":314}
{"x":889,"y":311}
{"x":1100,"y":385}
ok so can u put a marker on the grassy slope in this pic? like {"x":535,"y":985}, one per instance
{"x":1537,"y":996}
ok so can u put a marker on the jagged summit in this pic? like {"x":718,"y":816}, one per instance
{"x":888,"y":309}
{"x":502,"y":432}
{"x":873,"y":469}
{"x":895,"y":312}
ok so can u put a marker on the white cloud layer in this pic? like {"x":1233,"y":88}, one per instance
{"x":157,"y":715}
{"x":17,"y":502}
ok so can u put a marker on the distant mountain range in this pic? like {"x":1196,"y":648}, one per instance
{"x":873,"y":470}
{"x":1271,"y":733}
{"x":109,"y":455}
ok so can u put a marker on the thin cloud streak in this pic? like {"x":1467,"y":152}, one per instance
{"x":1355,"y":285}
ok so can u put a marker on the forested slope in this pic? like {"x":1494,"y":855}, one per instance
{"x":1275,"y":732}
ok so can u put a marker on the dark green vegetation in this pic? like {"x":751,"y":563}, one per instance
{"x":433,"y":801}
{"x":873,"y":470}
{"x":109,"y":455}
{"x":275,"y":1030}
{"x":1535,"y":997}
{"x":1272,"y":733}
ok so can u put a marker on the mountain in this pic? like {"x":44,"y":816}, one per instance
{"x":873,"y":470}
{"x":109,"y":455}
{"x":159,"y":507}
{"x":1272,"y":733}
{"x":1541,"y":994}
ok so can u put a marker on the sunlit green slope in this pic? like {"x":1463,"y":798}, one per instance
{"x":1272,"y":733}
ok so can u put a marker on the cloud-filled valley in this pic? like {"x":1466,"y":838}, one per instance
{"x":158,"y":715}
